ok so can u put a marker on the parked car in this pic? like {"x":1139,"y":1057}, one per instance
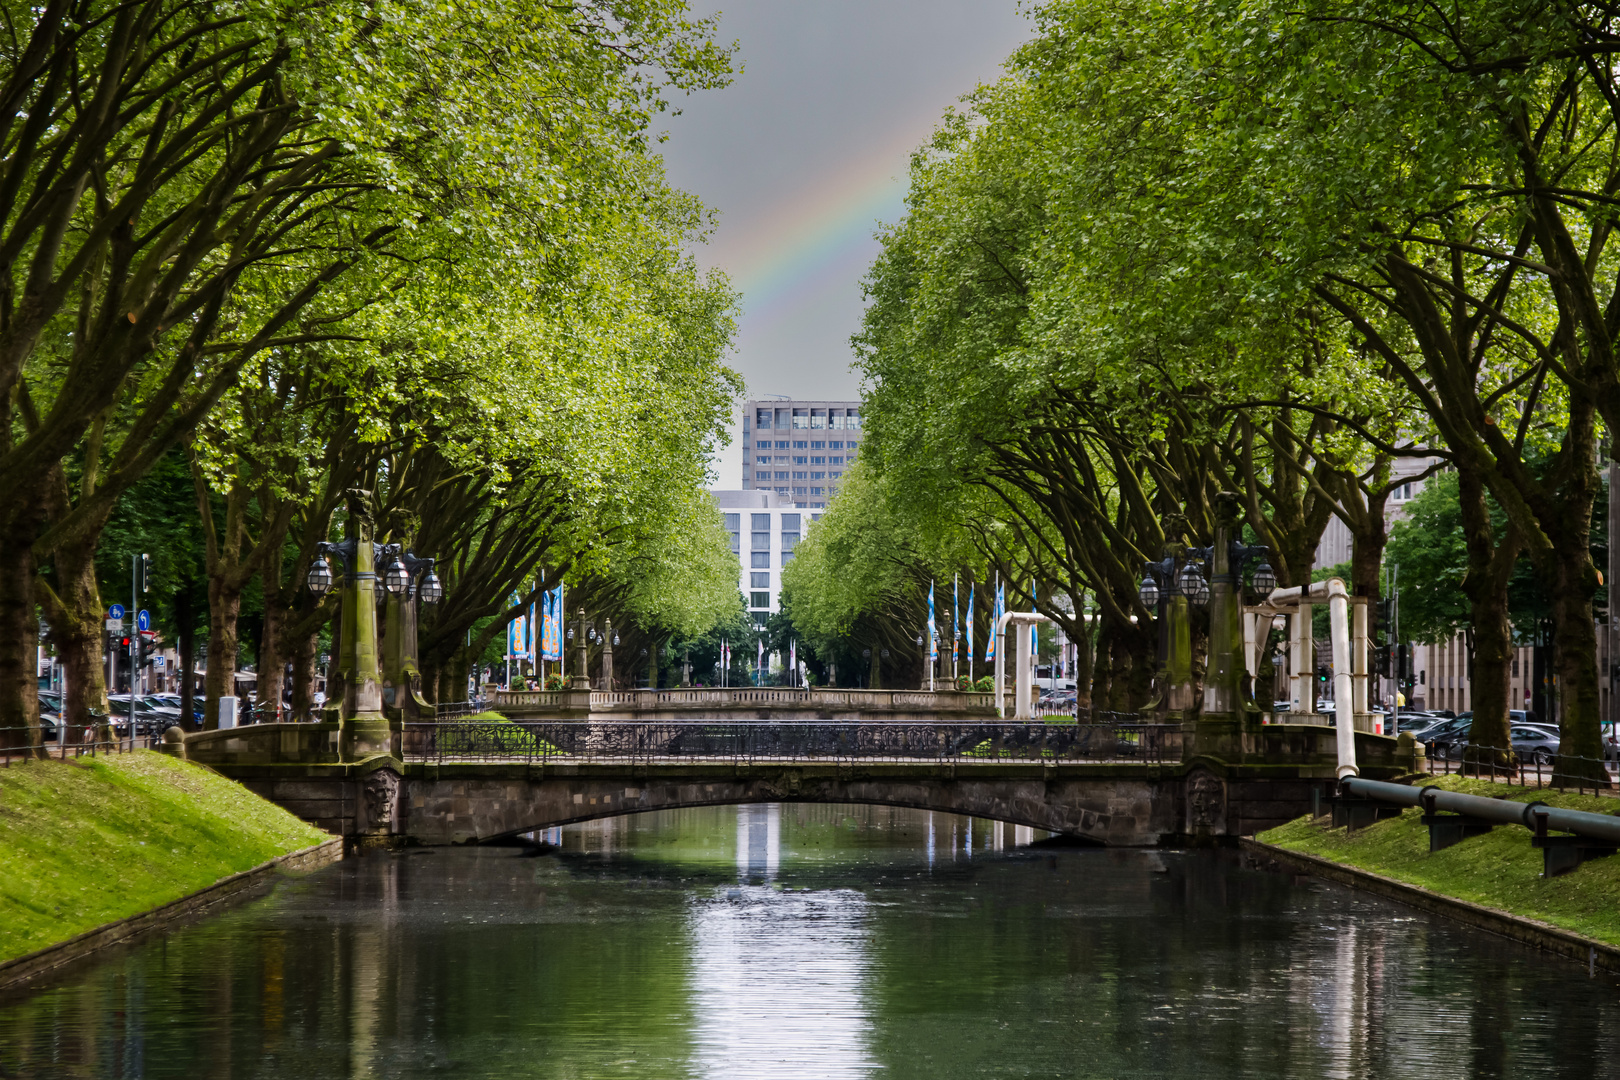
{"x":50,"y":715}
{"x":1534,"y":744}
{"x":148,"y":721}
{"x":1442,"y":738}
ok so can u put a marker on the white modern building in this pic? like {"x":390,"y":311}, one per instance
{"x":799,"y":449}
{"x":765,"y":528}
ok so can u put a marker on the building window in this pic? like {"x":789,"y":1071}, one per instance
{"x":761,"y":542}
{"x":818,"y":419}
{"x":834,"y":475}
{"x":781,"y":475}
{"x":781,"y":444}
{"x":816,"y":445}
{"x":801,"y":419}
{"x":798,"y":491}
{"x":759,"y":559}
{"x":759,"y":581}
{"x":1402,"y":492}
{"x":835,"y":460}
{"x":816,"y":490}
{"x":801,"y":459}
{"x":759,"y":599}
{"x":762,"y":419}
{"x":761,"y":617}
{"x":790,"y":531}
{"x":762,"y":475}
{"x":835,"y":419}
{"x":782,"y":491}
{"x":816,"y":459}
{"x":800,"y":474}
{"x":817,"y":476}
{"x":800,"y":444}
{"x":787,"y":557}
{"x":853,"y":420}
{"x":763,"y":459}
{"x":835,"y":445}
{"x":734,"y":526}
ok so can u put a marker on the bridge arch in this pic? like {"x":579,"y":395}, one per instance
{"x":1112,"y":810}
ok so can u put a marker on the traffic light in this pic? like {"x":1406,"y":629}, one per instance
{"x":1381,"y":656}
{"x":146,"y":573}
{"x":1322,"y":674}
{"x":1403,"y":663}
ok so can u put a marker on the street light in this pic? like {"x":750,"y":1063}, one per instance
{"x":430,"y":590}
{"x":1265,"y":578}
{"x":1149,"y":592}
{"x":1192,"y":584}
{"x":396,"y":579}
{"x":320,"y":576}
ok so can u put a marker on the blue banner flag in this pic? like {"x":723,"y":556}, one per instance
{"x":933,"y":633}
{"x":970,"y":624}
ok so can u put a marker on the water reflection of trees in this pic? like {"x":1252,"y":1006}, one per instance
{"x":1109,"y":962}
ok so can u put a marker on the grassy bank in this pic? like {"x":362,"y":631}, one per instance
{"x":1499,"y":870}
{"x":87,"y":842}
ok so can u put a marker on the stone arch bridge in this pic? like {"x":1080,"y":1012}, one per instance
{"x":1127,"y":784}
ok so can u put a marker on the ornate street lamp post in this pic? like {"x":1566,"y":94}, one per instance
{"x":364,"y":728}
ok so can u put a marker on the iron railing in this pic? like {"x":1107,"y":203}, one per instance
{"x":673,"y":742}
{"x":23,"y":745}
{"x":1537,"y":770}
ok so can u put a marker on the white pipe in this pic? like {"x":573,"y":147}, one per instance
{"x":1023,"y":618}
{"x":1338,"y":598}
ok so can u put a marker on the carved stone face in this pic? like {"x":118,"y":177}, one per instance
{"x":1206,"y":800}
{"x":381,"y":793}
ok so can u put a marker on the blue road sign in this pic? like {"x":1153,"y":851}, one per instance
{"x":116,"y":611}
{"x":143,"y":620}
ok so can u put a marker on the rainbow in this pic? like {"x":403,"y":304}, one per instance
{"x":823,"y":233}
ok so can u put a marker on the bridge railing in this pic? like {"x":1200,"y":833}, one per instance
{"x":747,"y":697}
{"x":677,"y":741}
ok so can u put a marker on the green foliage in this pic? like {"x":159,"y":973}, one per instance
{"x":1429,"y":548}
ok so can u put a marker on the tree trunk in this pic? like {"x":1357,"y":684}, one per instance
{"x":1084,"y":664}
{"x":305,"y":650}
{"x":1102,"y":668}
{"x":224,"y":604}
{"x":19,"y":629}
{"x":1490,"y":567}
{"x":76,"y":612}
{"x":272,"y":649}
{"x":1580,"y":747}
{"x":185,"y":616}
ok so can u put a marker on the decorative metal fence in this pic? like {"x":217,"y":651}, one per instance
{"x":1536,"y":769}
{"x":22,"y":745}
{"x":622,"y":741}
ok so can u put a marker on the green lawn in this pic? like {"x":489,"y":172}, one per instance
{"x":1499,"y":870}
{"x":86,"y":842}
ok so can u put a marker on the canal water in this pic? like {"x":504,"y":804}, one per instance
{"x":816,"y":942}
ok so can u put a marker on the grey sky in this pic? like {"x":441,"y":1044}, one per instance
{"x":807,"y":151}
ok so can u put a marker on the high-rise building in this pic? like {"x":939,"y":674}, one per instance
{"x":765,"y":528}
{"x":799,"y":449}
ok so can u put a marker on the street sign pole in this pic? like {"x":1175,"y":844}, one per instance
{"x":134,"y":640}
